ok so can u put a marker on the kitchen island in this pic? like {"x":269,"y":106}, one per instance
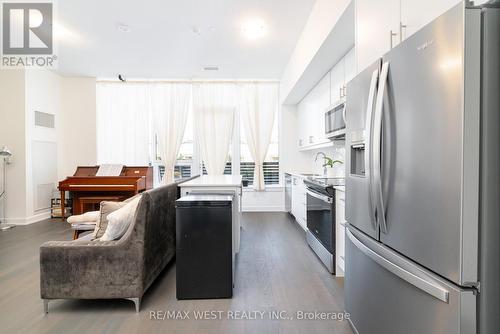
{"x":220,"y":184}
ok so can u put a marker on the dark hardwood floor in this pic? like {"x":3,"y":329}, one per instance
{"x":275,"y":271}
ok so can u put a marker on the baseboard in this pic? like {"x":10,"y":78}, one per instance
{"x":263,"y":209}
{"x":29,"y":220}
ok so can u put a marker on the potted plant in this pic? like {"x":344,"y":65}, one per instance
{"x":329,"y":163}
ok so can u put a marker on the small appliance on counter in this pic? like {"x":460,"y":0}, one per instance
{"x":204,"y":259}
{"x":321,"y":218}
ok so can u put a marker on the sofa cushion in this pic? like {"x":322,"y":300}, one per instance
{"x":106,"y":208}
{"x":91,"y":217}
{"x":120,"y":220}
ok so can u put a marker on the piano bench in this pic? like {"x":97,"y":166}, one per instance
{"x":95,"y":202}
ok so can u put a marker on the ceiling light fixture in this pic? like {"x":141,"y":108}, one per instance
{"x":211,"y":68}
{"x":123,"y":27}
{"x":254,"y":29}
{"x":196,"y":30}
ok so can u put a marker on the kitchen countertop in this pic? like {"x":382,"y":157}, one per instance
{"x":302,"y":175}
{"x":214,"y":181}
{"x":306,"y":175}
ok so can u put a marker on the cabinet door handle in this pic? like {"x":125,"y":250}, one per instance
{"x":402,"y":28}
{"x":392,"y":34}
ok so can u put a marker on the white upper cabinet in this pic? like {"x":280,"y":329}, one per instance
{"x":350,"y":65}
{"x":311,"y":110}
{"x":337,"y":81}
{"x":377,"y":29}
{"x":416,"y":14}
{"x":341,"y":74}
{"x":383,"y":24}
{"x":311,"y":124}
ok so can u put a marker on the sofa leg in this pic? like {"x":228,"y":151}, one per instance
{"x":137,"y":303}
{"x":45,"y":306}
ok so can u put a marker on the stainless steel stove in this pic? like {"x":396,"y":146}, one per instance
{"x":321,"y":217}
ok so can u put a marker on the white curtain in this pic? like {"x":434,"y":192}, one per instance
{"x":258,"y":105}
{"x":214,"y":106}
{"x":170,"y":107}
{"x":123,"y":122}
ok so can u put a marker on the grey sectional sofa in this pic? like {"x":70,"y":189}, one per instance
{"x":123,"y":268}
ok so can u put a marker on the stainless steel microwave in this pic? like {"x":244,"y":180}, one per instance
{"x":335,"y":121}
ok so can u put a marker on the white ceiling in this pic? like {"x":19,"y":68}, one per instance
{"x":161,"y":42}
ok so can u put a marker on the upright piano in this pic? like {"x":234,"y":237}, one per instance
{"x":88,"y":190}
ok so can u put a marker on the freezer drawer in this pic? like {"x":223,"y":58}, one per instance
{"x":386,"y":293}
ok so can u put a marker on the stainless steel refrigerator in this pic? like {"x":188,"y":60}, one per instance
{"x":422,"y":185}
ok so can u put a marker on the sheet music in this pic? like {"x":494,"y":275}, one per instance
{"x":109,"y":170}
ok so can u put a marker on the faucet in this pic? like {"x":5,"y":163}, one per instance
{"x":324,"y":158}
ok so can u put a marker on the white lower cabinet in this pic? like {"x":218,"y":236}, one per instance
{"x":340,"y":232}
{"x":299,"y":207}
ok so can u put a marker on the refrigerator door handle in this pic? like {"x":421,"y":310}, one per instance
{"x":377,"y":147}
{"x":368,"y":147}
{"x":407,"y":274}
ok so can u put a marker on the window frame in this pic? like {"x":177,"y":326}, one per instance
{"x":197,"y":163}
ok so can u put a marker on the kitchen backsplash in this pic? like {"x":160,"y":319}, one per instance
{"x":337,"y":152}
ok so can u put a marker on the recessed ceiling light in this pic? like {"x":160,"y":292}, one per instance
{"x":123,"y":27}
{"x":254,"y":28}
{"x":211,"y":68}
{"x":196,"y":30}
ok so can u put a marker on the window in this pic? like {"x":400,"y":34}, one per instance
{"x":227,"y":169}
{"x":125,"y":134}
{"x":123,"y":124}
{"x":271,"y":162}
{"x":185,"y":159}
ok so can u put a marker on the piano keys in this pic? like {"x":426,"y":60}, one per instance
{"x":88,"y":190}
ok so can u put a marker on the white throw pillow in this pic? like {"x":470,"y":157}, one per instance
{"x":120,"y":220}
{"x":90,"y":217}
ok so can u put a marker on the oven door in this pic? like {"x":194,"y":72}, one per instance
{"x":321,"y":218}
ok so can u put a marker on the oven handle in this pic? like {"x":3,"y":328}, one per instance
{"x":319,"y":196}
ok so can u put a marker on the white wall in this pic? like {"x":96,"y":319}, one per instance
{"x":337,"y":152}
{"x":272,"y":199}
{"x":42,"y":94}
{"x":12,"y":135}
{"x":43,"y":156}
